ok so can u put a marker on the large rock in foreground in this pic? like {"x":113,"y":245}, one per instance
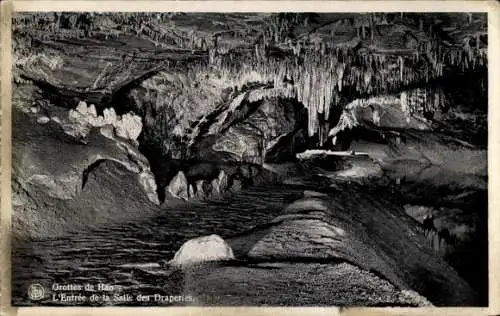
{"x":294,"y":284}
{"x":202,"y":249}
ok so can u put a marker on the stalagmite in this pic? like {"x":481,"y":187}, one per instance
{"x":400,"y":61}
{"x":404,"y":103}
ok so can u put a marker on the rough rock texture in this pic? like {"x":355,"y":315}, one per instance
{"x":37,"y":214}
{"x":37,"y":153}
{"x":107,"y":131}
{"x":220,"y":184}
{"x":457,"y":222}
{"x":148,"y":183}
{"x":365,"y":232}
{"x":50,"y":165}
{"x":202,"y":249}
{"x":299,"y":284}
{"x":355,"y":168}
{"x":201,"y":191}
{"x":447,"y":229}
{"x":249,"y":132}
{"x":432,"y":136}
{"x":214,"y":181}
{"x":128,"y":126}
{"x":403,"y":111}
{"x":178,"y":187}
{"x":433,"y":158}
{"x":426,"y":158}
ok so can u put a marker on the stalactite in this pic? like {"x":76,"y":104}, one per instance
{"x":320,"y":76}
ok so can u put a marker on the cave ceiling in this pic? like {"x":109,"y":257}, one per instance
{"x":326,"y":57}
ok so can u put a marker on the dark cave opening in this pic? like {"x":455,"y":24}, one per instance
{"x":165,"y":167}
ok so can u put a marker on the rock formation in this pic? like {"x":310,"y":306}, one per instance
{"x":317,"y":232}
{"x":119,"y":116}
{"x":41,"y":172}
{"x":446,"y":228}
{"x":340,"y":284}
{"x":323,"y":65}
{"x":178,"y":187}
{"x":201,"y":250}
{"x":128,"y":126}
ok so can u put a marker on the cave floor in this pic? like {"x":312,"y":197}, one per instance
{"x":131,"y":256}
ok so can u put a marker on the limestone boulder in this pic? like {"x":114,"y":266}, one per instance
{"x":91,"y":111}
{"x":202,"y":249}
{"x":200,"y":192}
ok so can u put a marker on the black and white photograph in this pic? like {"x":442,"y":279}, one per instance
{"x":249,"y":159}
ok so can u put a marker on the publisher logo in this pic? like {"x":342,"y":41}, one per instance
{"x":36,"y":292}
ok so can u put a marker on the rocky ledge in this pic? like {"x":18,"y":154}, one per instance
{"x":334,"y":234}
